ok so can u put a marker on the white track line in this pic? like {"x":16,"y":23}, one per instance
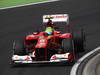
{"x":75,"y":67}
{"x":28,"y":4}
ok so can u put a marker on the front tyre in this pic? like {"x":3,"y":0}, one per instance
{"x":19,"y":48}
{"x":67,"y":45}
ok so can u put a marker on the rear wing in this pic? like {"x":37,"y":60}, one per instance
{"x":56,"y":18}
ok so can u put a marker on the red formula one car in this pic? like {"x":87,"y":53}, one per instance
{"x":50,"y":45}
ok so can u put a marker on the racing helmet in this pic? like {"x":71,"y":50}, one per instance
{"x":49,"y":30}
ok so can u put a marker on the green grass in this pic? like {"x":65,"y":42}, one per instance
{"x":8,"y":3}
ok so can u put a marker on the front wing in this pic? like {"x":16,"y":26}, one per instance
{"x":28,"y":59}
{"x":33,"y":62}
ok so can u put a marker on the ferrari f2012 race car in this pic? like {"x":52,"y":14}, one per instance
{"x":49,"y":45}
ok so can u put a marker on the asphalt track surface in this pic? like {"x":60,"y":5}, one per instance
{"x":17,"y":22}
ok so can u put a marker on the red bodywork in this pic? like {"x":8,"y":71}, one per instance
{"x":42,"y":38}
{"x":43,"y":41}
